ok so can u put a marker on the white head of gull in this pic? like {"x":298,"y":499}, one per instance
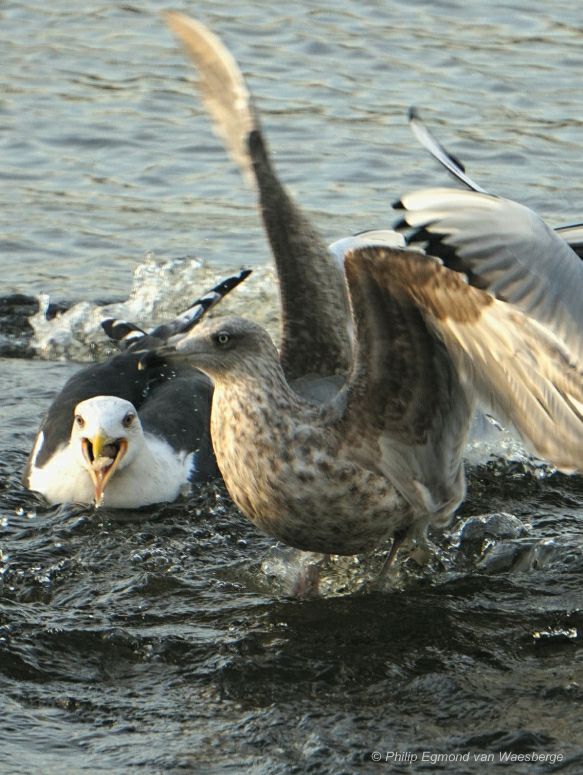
{"x":109,"y":460}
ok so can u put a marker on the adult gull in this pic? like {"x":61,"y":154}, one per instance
{"x":124,"y":436}
{"x":571,"y":233}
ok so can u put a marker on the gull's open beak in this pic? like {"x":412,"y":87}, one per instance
{"x":103,"y":456}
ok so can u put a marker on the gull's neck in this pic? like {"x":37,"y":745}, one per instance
{"x":263,"y":383}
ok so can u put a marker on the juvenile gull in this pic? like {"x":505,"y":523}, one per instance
{"x":383,"y":457}
{"x":304,"y":268}
{"x":124,"y":436}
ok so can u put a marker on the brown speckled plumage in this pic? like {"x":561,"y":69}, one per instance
{"x":285,"y":466}
{"x":384,"y":454}
{"x":343,"y":476}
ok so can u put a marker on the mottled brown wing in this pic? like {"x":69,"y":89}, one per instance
{"x":510,"y":361}
{"x":406,"y":409}
{"x":315,"y":314}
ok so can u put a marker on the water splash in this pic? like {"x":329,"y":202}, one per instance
{"x":488,"y":441}
{"x":160,"y":290}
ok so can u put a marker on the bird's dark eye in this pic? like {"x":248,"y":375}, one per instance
{"x":79,"y":421}
{"x":222,"y":338}
{"x":128,"y":419}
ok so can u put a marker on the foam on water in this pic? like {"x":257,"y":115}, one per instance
{"x":489,"y":441}
{"x":160,"y":290}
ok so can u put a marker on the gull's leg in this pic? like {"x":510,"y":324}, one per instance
{"x":398,"y":538}
{"x":307,"y":584}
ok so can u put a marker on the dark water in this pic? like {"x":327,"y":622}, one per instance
{"x":167,"y":642}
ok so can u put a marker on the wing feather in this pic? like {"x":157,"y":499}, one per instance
{"x":508,"y":250}
{"x":315,"y":335}
{"x":519,"y":368}
{"x":406,"y":407}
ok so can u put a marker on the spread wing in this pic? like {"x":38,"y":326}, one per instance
{"x":506,"y":249}
{"x":406,"y":408}
{"x":221,"y":86}
{"x":573,"y":234}
{"x":451,"y":163}
{"x":129,"y":335}
{"x":506,"y":359}
{"x":314,"y":336}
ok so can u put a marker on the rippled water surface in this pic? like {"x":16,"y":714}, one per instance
{"x":168,"y":641}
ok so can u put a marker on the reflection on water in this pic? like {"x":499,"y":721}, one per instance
{"x":167,"y":641}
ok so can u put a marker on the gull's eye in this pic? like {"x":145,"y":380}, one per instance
{"x":79,"y":421}
{"x":222,"y":338}
{"x":128,"y":419}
